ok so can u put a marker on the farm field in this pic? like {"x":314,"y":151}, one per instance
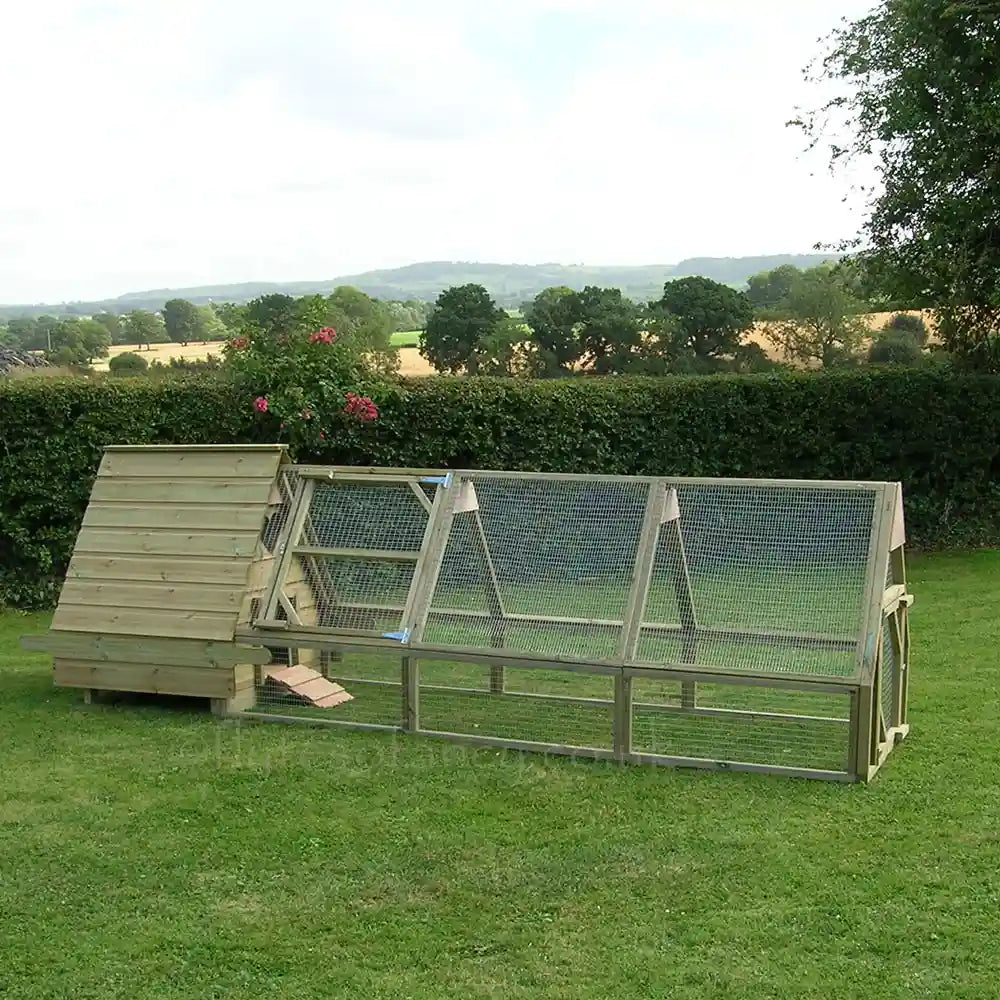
{"x":147,"y":850}
{"x":411,"y":363}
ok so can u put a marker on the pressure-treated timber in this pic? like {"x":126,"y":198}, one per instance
{"x":157,"y":578}
{"x":144,"y":650}
{"x":183,"y":560}
{"x":200,"y":682}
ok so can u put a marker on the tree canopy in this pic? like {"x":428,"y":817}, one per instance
{"x":183,"y":321}
{"x":918,"y":94}
{"x":823,"y":320}
{"x":464,"y":317}
{"x":710,"y":318}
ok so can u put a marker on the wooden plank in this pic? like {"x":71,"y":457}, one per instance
{"x":154,"y":651}
{"x":379,"y":555}
{"x":175,"y":597}
{"x":207,"y":516}
{"x":297,"y":674}
{"x":383,"y":472}
{"x":278,"y":449}
{"x":642,"y":571}
{"x":191,"y":464}
{"x":428,"y":568}
{"x":622,"y":718}
{"x":168,"y":569}
{"x":191,"y":681}
{"x":306,"y":638}
{"x":741,"y":767}
{"x":168,"y":490}
{"x":291,"y":532}
{"x":422,"y":498}
{"x":145,"y":621}
{"x":108,"y":541}
{"x":877,"y":570}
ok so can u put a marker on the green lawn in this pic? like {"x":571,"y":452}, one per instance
{"x":148,"y":851}
{"x":409,"y":338}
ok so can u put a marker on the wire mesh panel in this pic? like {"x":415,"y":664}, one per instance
{"x":553,"y":707}
{"x":358,"y":552}
{"x":543,"y":566}
{"x":370,"y":690}
{"x":743,"y":724}
{"x":772,"y":579}
{"x":561,"y":588}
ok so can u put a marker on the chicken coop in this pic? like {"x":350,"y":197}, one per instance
{"x":755,"y":625}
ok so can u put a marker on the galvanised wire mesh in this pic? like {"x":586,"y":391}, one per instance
{"x":555,"y":707}
{"x":750,"y":579}
{"x":743,"y":723}
{"x":373,"y":680}
{"x":544,"y":566}
{"x":379,"y":529}
{"x":775,"y":577}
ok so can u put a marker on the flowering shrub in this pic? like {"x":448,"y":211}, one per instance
{"x":309,"y":383}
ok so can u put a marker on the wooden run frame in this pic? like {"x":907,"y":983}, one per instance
{"x":874,"y":694}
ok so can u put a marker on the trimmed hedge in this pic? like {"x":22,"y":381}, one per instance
{"x":937,"y":432}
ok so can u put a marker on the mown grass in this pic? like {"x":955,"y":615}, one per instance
{"x":407,"y":338}
{"x":148,"y":851}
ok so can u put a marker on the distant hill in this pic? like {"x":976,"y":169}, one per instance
{"x":509,"y":284}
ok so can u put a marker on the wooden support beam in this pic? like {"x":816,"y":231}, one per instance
{"x":378,"y":555}
{"x":290,"y":534}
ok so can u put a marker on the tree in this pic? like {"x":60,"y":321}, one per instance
{"x":212,"y":328}
{"x":231,"y":316}
{"x":824,"y":320}
{"x":25,"y":333}
{"x":508,"y":351}
{"x":95,"y":339}
{"x":552,"y":318}
{"x":711,"y":319}
{"x":127,"y":363}
{"x":918,"y":96}
{"x":368,"y":322}
{"x":47,"y":331}
{"x":463,"y":318}
{"x":183,"y":321}
{"x":610,"y":330}
{"x":895,"y":347}
{"x":769,"y":289}
{"x":141,"y":327}
{"x":112,"y":324}
{"x":913,"y":326}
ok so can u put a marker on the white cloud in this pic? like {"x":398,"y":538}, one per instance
{"x":171,"y":142}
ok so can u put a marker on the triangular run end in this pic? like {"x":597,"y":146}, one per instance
{"x":897,"y":537}
{"x":671,"y":507}
{"x":467,"y":501}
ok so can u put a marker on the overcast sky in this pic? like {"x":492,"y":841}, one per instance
{"x":155,"y":143}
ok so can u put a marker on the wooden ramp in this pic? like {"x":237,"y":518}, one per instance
{"x":308,"y":685}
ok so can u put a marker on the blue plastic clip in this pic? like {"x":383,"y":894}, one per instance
{"x":403,"y":636}
{"x":438,"y":480}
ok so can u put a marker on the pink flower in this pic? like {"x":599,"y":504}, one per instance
{"x":325,"y":336}
{"x":361,"y":407}
{"x":322,"y":436}
{"x":260,"y":405}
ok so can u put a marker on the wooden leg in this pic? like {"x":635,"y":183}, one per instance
{"x":242,"y":701}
